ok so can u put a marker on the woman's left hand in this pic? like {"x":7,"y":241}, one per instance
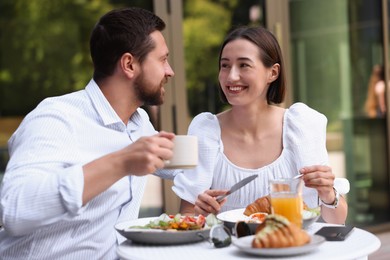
{"x":321,"y":178}
{"x":207,"y":203}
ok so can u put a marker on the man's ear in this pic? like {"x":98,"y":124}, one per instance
{"x":274,"y":73}
{"x":128,"y":65}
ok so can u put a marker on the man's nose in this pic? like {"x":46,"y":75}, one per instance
{"x":169,"y":71}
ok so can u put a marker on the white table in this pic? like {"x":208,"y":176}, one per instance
{"x":358,"y":245}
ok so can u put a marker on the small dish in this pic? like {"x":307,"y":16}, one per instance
{"x":310,"y":216}
{"x":309,"y":221}
{"x":231,"y":217}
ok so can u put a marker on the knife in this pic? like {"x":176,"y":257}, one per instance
{"x":237,"y":186}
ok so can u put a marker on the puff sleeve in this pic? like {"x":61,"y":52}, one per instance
{"x":305,"y":138}
{"x":306,"y":135}
{"x":189,"y":183}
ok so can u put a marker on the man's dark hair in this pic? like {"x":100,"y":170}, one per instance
{"x":121,"y":31}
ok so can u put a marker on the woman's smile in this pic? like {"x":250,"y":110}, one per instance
{"x":235,"y":89}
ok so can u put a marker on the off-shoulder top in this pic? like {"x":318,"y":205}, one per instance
{"x":304,"y":144}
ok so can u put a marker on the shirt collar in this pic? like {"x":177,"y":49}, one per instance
{"x":105,"y":110}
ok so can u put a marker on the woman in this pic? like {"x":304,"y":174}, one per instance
{"x":255,"y":136}
{"x":375,"y":105}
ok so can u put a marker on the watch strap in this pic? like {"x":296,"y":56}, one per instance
{"x":336,"y":200}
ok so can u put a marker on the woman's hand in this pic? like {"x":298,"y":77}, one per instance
{"x":321,"y":178}
{"x":207,"y":203}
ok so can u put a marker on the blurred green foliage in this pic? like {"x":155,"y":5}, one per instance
{"x":205,"y":25}
{"x":44,"y":48}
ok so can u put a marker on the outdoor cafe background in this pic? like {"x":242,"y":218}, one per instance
{"x":330,"y":47}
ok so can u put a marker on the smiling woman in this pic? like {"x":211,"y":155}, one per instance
{"x":256,"y":135}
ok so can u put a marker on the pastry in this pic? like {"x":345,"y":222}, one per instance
{"x":262,"y":204}
{"x":276,"y":232}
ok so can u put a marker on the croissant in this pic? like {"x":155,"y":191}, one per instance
{"x":276,"y":232}
{"x":262,"y":204}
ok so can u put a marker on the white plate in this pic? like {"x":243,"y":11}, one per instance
{"x":245,"y":245}
{"x":232,"y":216}
{"x":159,"y":237}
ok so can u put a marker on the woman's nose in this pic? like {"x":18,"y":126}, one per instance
{"x":233,"y":75}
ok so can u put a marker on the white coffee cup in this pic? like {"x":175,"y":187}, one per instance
{"x":185,"y":153}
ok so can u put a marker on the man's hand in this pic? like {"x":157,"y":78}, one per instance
{"x":147,"y":154}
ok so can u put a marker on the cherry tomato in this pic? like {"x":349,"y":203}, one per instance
{"x":201,"y":220}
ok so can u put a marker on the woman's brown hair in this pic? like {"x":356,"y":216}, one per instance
{"x":371,"y":105}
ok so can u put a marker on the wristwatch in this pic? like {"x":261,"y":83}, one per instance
{"x":336,"y":200}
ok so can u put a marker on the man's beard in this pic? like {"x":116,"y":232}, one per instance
{"x":149,"y":97}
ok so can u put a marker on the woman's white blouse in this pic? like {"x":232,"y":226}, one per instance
{"x":304,"y":144}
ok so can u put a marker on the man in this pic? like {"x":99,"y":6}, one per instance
{"x":78,"y":162}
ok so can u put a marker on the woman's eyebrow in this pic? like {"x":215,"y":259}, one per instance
{"x":240,"y":59}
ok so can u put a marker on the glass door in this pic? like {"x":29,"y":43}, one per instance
{"x":333,"y":48}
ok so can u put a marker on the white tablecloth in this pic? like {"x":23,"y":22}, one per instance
{"x":358,"y":245}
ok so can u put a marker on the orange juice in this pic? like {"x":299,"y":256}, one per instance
{"x":290,"y":207}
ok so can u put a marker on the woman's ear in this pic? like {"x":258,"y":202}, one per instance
{"x":274,"y":73}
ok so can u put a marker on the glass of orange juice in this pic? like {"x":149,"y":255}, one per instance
{"x":286,"y":199}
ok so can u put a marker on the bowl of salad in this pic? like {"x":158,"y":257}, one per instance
{"x":310,"y":215}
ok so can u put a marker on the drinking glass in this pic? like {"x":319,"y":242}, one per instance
{"x":286,"y":199}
